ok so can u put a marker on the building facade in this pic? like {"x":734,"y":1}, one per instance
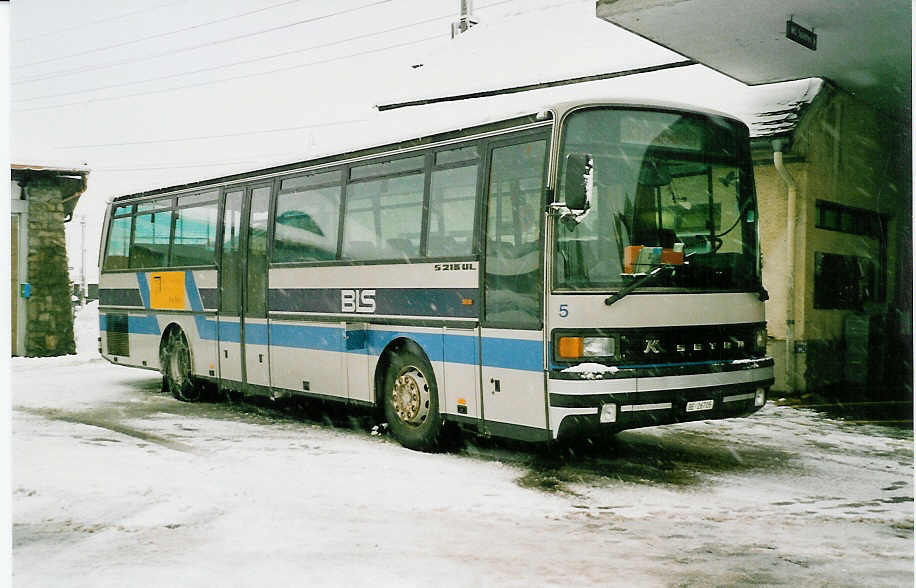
{"x":847,"y":323}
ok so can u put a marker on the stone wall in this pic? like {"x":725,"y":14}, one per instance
{"x":50,"y":312}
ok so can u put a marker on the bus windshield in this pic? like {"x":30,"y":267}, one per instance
{"x":669,"y":188}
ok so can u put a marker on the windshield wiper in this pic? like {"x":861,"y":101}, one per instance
{"x":655,"y":272}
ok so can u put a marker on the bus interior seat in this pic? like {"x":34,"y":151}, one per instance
{"x":443,"y":245}
{"x":361,"y":250}
{"x":149,"y":256}
{"x":401,"y":247}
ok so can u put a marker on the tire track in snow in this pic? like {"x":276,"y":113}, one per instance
{"x":83,"y":419}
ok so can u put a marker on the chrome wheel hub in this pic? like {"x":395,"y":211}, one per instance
{"x":410,"y":397}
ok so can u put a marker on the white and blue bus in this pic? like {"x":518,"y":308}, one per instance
{"x":592,"y":266}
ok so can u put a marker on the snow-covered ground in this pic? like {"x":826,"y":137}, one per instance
{"x":117,"y":484}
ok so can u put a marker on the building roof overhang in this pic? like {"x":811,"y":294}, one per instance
{"x":862,"y":47}
{"x":72,"y":181}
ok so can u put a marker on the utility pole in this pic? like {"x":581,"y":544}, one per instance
{"x":83,"y":262}
{"x":465,"y":19}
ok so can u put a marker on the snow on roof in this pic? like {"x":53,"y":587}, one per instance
{"x":532,"y":47}
{"x":80,"y":169}
{"x":521,"y":50}
{"x":767,"y":110}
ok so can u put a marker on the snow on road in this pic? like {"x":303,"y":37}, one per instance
{"x":115,"y":483}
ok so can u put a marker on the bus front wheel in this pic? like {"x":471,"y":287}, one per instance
{"x":176,"y":368}
{"x":412,"y":402}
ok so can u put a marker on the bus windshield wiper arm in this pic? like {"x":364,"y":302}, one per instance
{"x":634,"y":285}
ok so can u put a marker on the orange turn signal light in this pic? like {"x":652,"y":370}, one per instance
{"x":570,"y":347}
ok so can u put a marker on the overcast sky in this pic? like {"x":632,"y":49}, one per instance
{"x":160,"y":92}
{"x":153,"y":93}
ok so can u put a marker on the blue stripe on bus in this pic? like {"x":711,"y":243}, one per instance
{"x":497,"y":352}
{"x":144,"y":288}
{"x":138,"y":325}
{"x":229,"y":332}
{"x":193,"y":295}
{"x":206,"y":328}
{"x":307,"y":337}
{"x":431,"y":343}
{"x":517,"y":354}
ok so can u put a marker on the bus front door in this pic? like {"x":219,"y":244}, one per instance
{"x":511,"y":335}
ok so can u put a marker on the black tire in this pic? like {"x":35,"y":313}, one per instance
{"x":175,"y":365}
{"x":411,"y":402}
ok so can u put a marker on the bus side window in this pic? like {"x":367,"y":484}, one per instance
{"x":195,"y":235}
{"x":307,"y":218}
{"x":118,"y":243}
{"x":383,"y":218}
{"x":150,"y":246}
{"x":452,"y":202}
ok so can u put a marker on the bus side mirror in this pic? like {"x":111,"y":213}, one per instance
{"x":579,"y":181}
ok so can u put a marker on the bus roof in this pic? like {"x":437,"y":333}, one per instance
{"x":549,"y":112}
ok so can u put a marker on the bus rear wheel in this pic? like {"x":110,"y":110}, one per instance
{"x":176,"y":368}
{"x":412,"y":402}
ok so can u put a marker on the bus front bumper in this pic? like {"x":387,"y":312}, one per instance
{"x":577,"y":406}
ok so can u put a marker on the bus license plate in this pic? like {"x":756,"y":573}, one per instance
{"x":699,"y":405}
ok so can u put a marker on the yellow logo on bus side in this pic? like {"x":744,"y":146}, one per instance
{"x":166,"y":290}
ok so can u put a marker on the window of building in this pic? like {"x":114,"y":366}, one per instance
{"x":857,"y":221}
{"x":844,"y":281}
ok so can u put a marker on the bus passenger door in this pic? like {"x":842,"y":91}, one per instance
{"x":243,"y":290}
{"x":511,"y":335}
{"x":254,"y":290}
{"x":230,"y":293}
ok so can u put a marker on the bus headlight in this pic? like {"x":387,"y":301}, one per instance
{"x":760,"y":341}
{"x":580,"y":347}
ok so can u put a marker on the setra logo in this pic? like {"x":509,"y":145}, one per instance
{"x":652,"y":346}
{"x":362,"y":301}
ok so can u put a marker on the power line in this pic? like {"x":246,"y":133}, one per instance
{"x":159,"y":35}
{"x":223,"y":136}
{"x":83,"y":26}
{"x":320,"y":62}
{"x":198,"y":46}
{"x":233,"y":78}
{"x":70,"y":72}
{"x":233,"y":64}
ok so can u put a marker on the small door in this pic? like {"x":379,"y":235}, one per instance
{"x":511,"y":344}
